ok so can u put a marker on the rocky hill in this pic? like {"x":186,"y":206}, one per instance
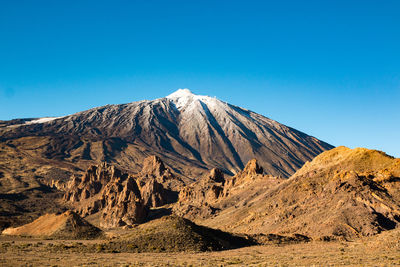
{"x":173,"y":233}
{"x":67,"y":225}
{"x":342,"y":193}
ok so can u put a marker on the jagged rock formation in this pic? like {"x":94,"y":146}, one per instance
{"x":195,"y":200}
{"x":123,"y":205}
{"x":251,"y":172}
{"x":343,"y":193}
{"x":213,"y":193}
{"x":122,"y":198}
{"x":67,"y":225}
{"x":158,"y":185}
{"x":206,"y":190}
{"x":155,"y":195}
{"x":190,"y":133}
{"x":108,"y":190}
{"x":153,"y":165}
{"x":56,"y":184}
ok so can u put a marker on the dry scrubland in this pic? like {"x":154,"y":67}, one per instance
{"x":373,"y":252}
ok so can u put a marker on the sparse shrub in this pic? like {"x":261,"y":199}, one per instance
{"x":99,"y":247}
{"x":131,"y":246}
{"x":6,"y":245}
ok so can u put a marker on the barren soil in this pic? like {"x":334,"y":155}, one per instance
{"x":373,"y":251}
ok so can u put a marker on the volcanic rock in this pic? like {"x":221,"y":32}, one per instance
{"x":122,"y":198}
{"x":196,"y":199}
{"x":253,"y":171}
{"x":206,"y":190}
{"x":205,"y":198}
{"x":155,"y":195}
{"x":153,"y":165}
{"x":158,"y":185}
{"x":154,"y":169}
{"x":123,"y":204}
{"x":108,"y":190}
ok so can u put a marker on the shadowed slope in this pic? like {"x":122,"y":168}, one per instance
{"x":177,"y":234}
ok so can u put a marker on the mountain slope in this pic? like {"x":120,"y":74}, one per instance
{"x":343,"y":192}
{"x":192,"y":134}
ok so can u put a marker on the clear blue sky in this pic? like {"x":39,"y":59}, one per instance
{"x":328,"y":68}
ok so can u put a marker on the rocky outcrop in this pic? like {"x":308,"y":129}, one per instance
{"x":155,"y":195}
{"x":212,"y":193}
{"x":252,"y":168}
{"x":121,"y":198}
{"x":195,"y":200}
{"x":124,"y":204}
{"x":153,"y":165}
{"x":92,"y":182}
{"x":252,"y":172}
{"x":108,"y":190}
{"x":158,"y":185}
{"x":154,"y":169}
{"x":55,"y":184}
{"x":205,"y":191}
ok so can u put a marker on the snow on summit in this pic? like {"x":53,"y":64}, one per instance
{"x":184,"y":98}
{"x":181,"y":93}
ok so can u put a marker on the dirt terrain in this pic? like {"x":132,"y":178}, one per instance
{"x":375,"y":251}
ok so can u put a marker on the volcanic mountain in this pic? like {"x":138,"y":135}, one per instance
{"x":191,"y":133}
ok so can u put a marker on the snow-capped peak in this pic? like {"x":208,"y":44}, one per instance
{"x":181,"y":93}
{"x":183,"y":98}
